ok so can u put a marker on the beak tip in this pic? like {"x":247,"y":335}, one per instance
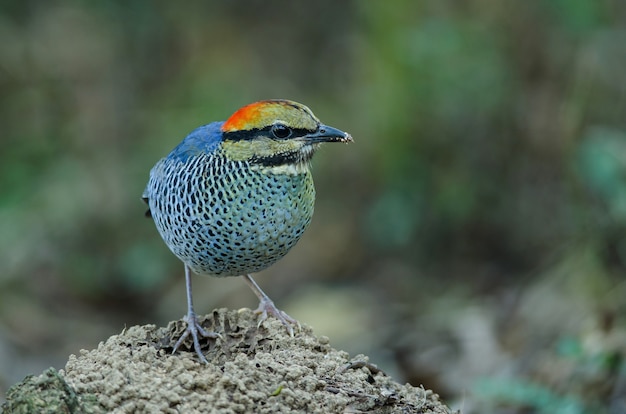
{"x":347,"y":138}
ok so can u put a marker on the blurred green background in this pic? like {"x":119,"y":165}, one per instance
{"x":472,"y":239}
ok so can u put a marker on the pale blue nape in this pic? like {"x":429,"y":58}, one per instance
{"x":204,"y":139}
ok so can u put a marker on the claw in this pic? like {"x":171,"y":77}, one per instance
{"x":267,"y":307}
{"x":195,"y":330}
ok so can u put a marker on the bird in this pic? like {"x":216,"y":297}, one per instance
{"x":233,"y":197}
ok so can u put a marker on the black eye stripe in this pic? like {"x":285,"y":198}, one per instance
{"x":300,"y":132}
{"x":250,"y":134}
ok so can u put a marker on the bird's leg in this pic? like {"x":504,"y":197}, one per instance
{"x":267,"y":307}
{"x":193,"y":326}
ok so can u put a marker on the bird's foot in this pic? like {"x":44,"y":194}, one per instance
{"x":267,"y":307}
{"x":196,"y":331}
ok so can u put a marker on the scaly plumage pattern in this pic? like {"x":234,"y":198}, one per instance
{"x":233,"y":197}
{"x":223,"y":219}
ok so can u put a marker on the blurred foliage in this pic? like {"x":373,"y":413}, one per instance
{"x":585,"y":384}
{"x":479,"y":216}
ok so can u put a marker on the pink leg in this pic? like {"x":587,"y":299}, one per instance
{"x":193,"y":326}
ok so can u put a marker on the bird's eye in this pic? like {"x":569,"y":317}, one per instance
{"x":281,"y":131}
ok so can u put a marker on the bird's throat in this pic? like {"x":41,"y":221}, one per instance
{"x":290,"y":163}
{"x":285,"y":169}
{"x":279,"y":157}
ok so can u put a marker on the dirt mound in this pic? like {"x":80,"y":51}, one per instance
{"x":251,"y":369}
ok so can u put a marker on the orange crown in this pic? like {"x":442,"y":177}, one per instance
{"x":263,"y":113}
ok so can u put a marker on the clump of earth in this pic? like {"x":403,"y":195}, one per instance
{"x":251,"y":369}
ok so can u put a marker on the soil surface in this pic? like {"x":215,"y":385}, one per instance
{"x":251,"y":369}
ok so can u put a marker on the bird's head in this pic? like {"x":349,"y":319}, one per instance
{"x":276,"y":134}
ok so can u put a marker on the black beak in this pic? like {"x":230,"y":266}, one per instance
{"x":327,"y":133}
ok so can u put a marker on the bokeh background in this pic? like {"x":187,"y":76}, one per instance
{"x":472,"y":239}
